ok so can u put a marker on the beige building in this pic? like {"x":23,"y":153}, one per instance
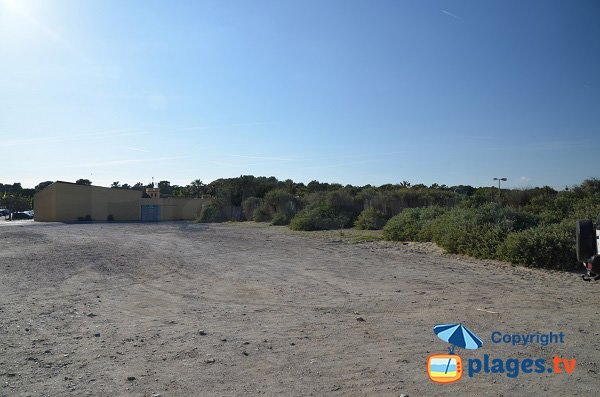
{"x":67,"y":202}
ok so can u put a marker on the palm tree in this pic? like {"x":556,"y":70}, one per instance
{"x":197,"y":188}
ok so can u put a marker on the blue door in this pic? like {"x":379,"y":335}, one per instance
{"x":150,"y":213}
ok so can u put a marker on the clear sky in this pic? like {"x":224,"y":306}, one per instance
{"x":360,"y":92}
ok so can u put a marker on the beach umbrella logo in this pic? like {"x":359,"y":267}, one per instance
{"x":458,"y":336}
{"x":447,"y":368}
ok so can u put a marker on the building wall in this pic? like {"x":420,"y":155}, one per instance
{"x":176,"y":209}
{"x":66,"y":202}
{"x":190,"y":208}
{"x":122,"y":204}
{"x":44,"y":204}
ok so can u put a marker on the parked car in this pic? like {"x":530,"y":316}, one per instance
{"x":21,"y":215}
{"x":3,"y":212}
{"x":588,"y":247}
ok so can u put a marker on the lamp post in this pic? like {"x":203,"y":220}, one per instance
{"x":499,"y":179}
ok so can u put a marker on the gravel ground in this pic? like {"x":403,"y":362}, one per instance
{"x":184,"y":309}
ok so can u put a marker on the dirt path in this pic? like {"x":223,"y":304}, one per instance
{"x":189,"y":309}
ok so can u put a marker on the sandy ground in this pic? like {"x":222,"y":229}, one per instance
{"x":183,"y":309}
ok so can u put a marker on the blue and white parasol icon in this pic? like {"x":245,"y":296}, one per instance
{"x":458,"y":335}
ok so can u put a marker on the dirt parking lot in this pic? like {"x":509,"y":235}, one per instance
{"x":184,"y":309}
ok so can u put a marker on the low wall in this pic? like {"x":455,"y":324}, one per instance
{"x":176,"y":209}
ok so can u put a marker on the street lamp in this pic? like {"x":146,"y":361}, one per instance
{"x":500,"y":179}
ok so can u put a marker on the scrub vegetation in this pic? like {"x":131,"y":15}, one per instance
{"x":532,"y":227}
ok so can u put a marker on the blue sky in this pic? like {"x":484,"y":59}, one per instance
{"x":360,"y":92}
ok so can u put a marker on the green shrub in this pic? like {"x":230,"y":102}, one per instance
{"x":249,"y":206}
{"x":210,"y":213}
{"x":549,"y":217}
{"x":478,"y":231}
{"x":341,"y":201}
{"x":110,"y":218}
{"x":280,"y":219}
{"x":335,"y":209}
{"x":412,"y":224}
{"x":87,"y":218}
{"x":547,"y":246}
{"x":522,"y":220}
{"x":282,"y":202}
{"x":370,"y":219}
{"x":262,"y":214}
{"x":320,"y":217}
{"x":279,"y":200}
{"x":392,"y":202}
{"x":587,"y":208}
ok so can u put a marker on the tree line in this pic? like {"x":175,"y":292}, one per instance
{"x":531,"y":226}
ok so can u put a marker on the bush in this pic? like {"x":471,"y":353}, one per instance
{"x":335,"y":209}
{"x":587,"y":208}
{"x":277,"y":200}
{"x":320,"y":217}
{"x":280,"y":219}
{"x":249,"y":206}
{"x":210,"y":213}
{"x":477,"y":231}
{"x":392,"y":202}
{"x":262,"y":214}
{"x":547,"y":246}
{"x":549,"y":217}
{"x":281,"y":204}
{"x":110,"y":218}
{"x":412,"y":224}
{"x":87,"y":218}
{"x":341,"y":201}
{"x":370,"y":219}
